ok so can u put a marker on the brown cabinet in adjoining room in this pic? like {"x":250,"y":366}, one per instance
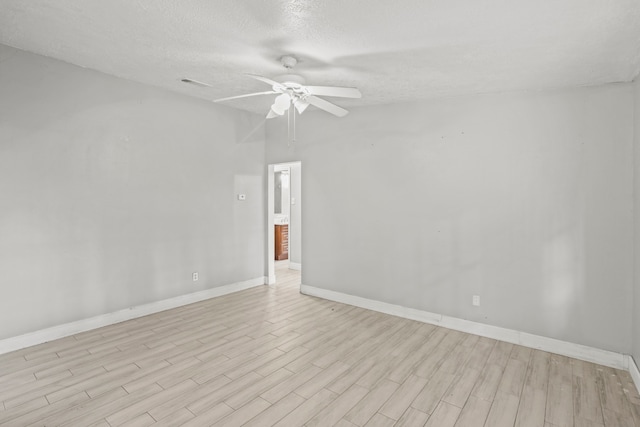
{"x":282,"y":242}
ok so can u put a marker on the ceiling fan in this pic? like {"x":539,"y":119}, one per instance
{"x":292,"y":91}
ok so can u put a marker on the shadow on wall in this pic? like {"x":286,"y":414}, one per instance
{"x":563,"y":279}
{"x":456,"y":258}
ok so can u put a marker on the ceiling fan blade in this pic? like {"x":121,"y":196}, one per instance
{"x":264,"y":79}
{"x":271,"y":114}
{"x":245,"y":96}
{"x":326,"y":106}
{"x":342,"y":92}
{"x":195,"y":82}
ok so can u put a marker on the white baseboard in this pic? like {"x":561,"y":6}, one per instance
{"x":577,"y":351}
{"x":67,"y":329}
{"x":634,"y":371}
{"x":295,"y":266}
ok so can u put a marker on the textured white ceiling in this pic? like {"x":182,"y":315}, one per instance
{"x":392,"y":50}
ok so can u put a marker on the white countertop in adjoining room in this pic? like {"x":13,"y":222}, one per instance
{"x":280,"y":219}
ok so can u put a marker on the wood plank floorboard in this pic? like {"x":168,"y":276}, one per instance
{"x":271,"y":356}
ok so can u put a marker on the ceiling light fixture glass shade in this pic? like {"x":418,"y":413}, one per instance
{"x":300,"y":105}
{"x":281,"y":104}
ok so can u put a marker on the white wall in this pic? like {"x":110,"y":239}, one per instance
{"x":523,"y":199}
{"x":636,"y":299}
{"x":113,"y":193}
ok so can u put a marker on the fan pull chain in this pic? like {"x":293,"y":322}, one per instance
{"x":294,"y":125}
{"x":289,"y":127}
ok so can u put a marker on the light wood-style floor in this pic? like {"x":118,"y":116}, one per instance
{"x":271,"y":356}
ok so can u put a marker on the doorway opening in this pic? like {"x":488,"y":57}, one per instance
{"x":284,"y":219}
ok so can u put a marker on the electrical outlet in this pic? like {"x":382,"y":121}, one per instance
{"x":476,"y":300}
{"x":195,"y":276}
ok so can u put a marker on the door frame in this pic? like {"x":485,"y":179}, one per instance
{"x":270,"y":261}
